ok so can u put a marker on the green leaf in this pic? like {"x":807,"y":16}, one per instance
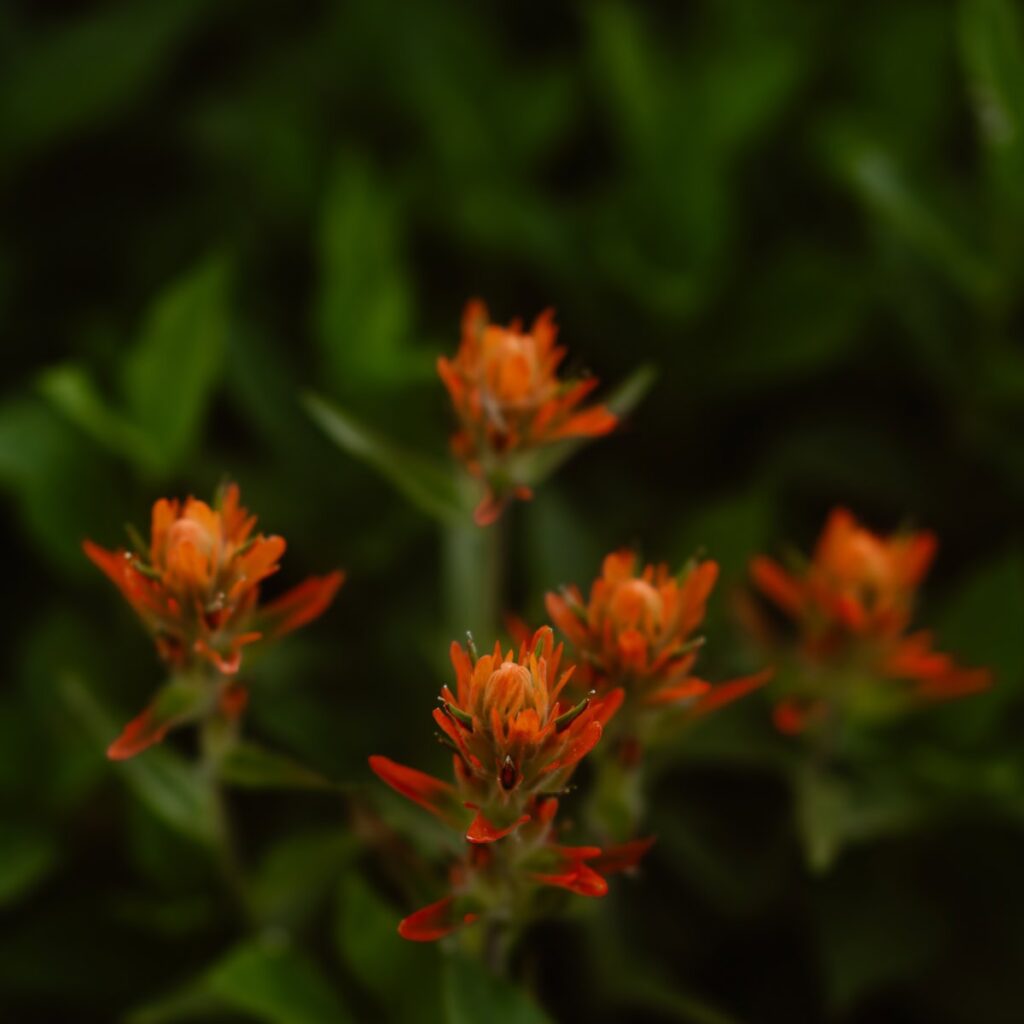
{"x":252,"y":766}
{"x":172,"y":789}
{"x":26,"y":857}
{"x":366,"y":934}
{"x":472,"y":994}
{"x":902,"y":207}
{"x":992,"y":44}
{"x":170,"y":374}
{"x":293,"y":880}
{"x":266,"y":979}
{"x":364,"y":306}
{"x":428,"y":484}
{"x":71,"y":391}
{"x":62,"y":488}
{"x":88,"y":70}
{"x":276,"y":984}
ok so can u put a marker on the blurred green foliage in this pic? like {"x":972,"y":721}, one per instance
{"x":809,"y":217}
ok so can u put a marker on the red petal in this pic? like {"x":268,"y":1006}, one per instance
{"x":577,"y":749}
{"x":137,"y":735}
{"x":725,"y":693}
{"x":685,"y":690}
{"x":793,"y":716}
{"x":578,"y":877}
{"x":432,"y":794}
{"x":482,"y":831}
{"x":434,"y":921}
{"x":777,"y":585}
{"x":301,"y":604}
{"x":622,"y":857}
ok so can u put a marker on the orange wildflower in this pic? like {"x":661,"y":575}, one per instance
{"x":637,"y":631}
{"x":852,"y":605}
{"x":196,"y":589}
{"x":507,"y":395}
{"x":515,"y":743}
{"x":513,"y":735}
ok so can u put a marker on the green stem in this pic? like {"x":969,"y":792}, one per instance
{"x":216,"y":738}
{"x":472,"y":566}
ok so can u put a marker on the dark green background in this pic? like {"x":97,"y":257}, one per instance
{"x":808,"y":216}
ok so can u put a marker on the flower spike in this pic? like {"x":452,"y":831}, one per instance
{"x":505,"y":390}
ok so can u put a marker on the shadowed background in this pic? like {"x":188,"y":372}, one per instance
{"x":809,"y":218}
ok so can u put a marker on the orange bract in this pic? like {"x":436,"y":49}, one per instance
{"x":197,"y":587}
{"x":508,"y":397}
{"x":852,"y":604}
{"x":512,"y":730}
{"x":637,"y":629}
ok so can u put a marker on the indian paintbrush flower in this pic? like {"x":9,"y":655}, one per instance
{"x":637,"y":632}
{"x":509,"y":400}
{"x":196,"y":588}
{"x":515,"y":743}
{"x":851,"y":605}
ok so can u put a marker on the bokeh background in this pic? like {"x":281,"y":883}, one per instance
{"x":808,"y":217}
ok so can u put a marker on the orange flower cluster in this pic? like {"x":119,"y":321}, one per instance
{"x":196,"y":589}
{"x":515,"y":744}
{"x":509,"y":400}
{"x":852,"y":605}
{"x":637,"y":632}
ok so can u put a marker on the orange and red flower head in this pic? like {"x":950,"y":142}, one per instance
{"x":637,"y":631}
{"x":852,"y":604}
{"x":514,"y":733}
{"x":507,"y":395}
{"x":196,"y":588}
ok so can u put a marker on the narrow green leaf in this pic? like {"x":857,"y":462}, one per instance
{"x":254,"y":767}
{"x":472,"y":994}
{"x":265,"y":979}
{"x":366,"y":935}
{"x":26,"y":857}
{"x":364,"y":306}
{"x":275,"y":983}
{"x":294,"y":879}
{"x":873,"y":175}
{"x":87,"y":70}
{"x":428,"y":484}
{"x":71,"y":391}
{"x":170,"y":374}
{"x":171,"y":788}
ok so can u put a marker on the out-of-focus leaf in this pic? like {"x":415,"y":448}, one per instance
{"x":366,"y":934}
{"x":867,"y":944}
{"x":26,"y":856}
{"x":276,"y":984}
{"x":898,"y":205}
{"x":293,"y":879}
{"x":171,"y":788}
{"x":428,"y":484}
{"x":88,"y":70}
{"x":538,"y":466}
{"x":472,"y":994}
{"x":170,"y":374}
{"x":363,"y":311}
{"x":981,"y":623}
{"x":992,"y":44}
{"x":71,"y":390}
{"x":61,"y":486}
{"x":251,"y":766}
{"x":833,"y":813}
{"x":192,"y":1004}
{"x":265,"y":979}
